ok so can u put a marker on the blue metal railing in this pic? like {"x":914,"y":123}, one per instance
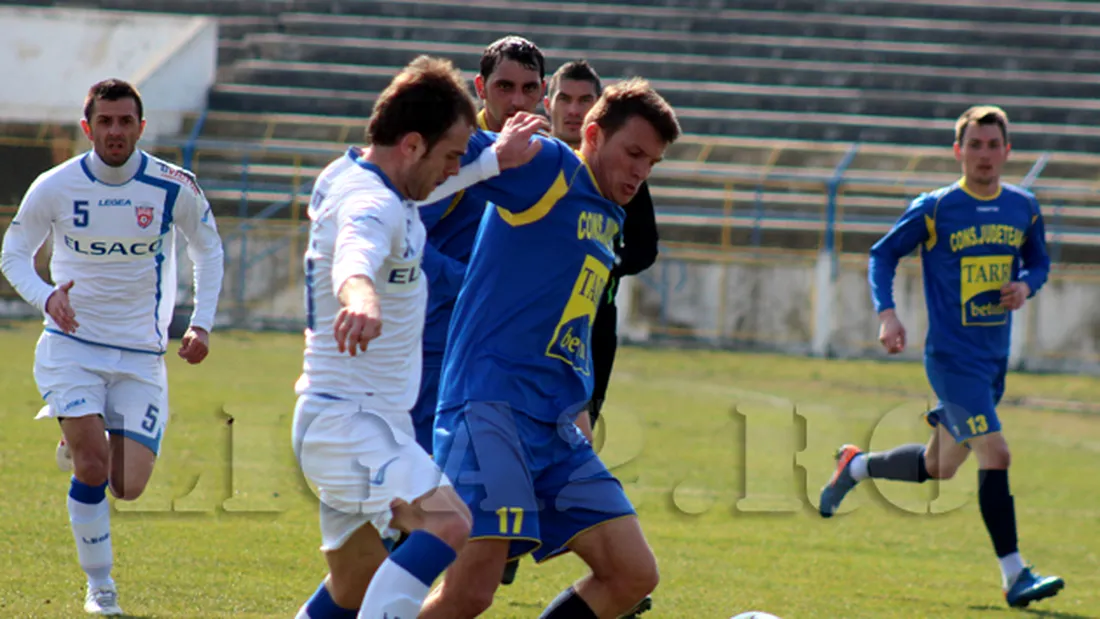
{"x":832,"y":188}
{"x":188,"y":149}
{"x":831,"y":224}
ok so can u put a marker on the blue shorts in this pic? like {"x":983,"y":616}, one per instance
{"x":423,"y":412}
{"x":535,"y":483}
{"x":969,"y":391}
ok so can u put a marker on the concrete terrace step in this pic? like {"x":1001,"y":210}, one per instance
{"x":679,"y":183}
{"x":329,"y":134}
{"x":751,"y":121}
{"x":360,"y":51}
{"x":1047,"y":12}
{"x":664,"y":13}
{"x":236,"y":27}
{"x":234,"y":8}
{"x":713,"y":94}
{"x":842,"y":17}
{"x":736,"y":43}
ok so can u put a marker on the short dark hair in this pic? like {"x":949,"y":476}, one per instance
{"x":634,"y":97}
{"x":112,"y":90}
{"x":513,"y":48}
{"x":983,"y":115}
{"x":576,"y":70}
{"x":427,"y":97}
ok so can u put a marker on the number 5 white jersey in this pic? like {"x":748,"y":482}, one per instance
{"x":361,"y":226}
{"x":114,"y":236}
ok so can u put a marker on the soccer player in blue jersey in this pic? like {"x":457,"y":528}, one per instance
{"x":983,"y":255}
{"x":572,"y":91}
{"x":510,"y":80}
{"x":517,"y":370}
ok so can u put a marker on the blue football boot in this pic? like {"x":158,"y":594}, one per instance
{"x":841,"y":482}
{"x":1030,"y":587}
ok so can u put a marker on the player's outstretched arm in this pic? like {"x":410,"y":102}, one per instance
{"x":195,"y":221}
{"x":539,"y":182}
{"x":511,"y":149}
{"x":908,"y":233}
{"x":27,"y":232}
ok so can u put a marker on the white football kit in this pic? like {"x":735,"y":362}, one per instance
{"x":114,"y":236}
{"x":353,"y":433}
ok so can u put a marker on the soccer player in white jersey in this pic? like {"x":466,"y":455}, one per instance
{"x":353,"y":432}
{"x":113,"y":212}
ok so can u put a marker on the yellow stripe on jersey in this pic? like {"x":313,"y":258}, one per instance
{"x":540,"y":208}
{"x":454,"y":202}
{"x":931,"y":225}
{"x":481,"y":122}
{"x":592,"y":176}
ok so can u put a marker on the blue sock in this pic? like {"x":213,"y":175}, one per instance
{"x":404,"y":579}
{"x":89,"y":495}
{"x":424,"y":555}
{"x":322,"y":606}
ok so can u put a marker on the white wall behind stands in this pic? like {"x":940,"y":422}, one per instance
{"x":55,"y":54}
{"x":797,"y":303}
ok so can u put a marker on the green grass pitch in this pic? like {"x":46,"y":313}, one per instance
{"x":722,"y":453}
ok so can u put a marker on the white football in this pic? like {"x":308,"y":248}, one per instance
{"x":755,"y":614}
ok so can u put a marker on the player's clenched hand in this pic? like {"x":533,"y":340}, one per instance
{"x":195,"y":345}
{"x":891,"y":333}
{"x":1014,"y":295}
{"x":514,"y":147}
{"x":60,"y":310}
{"x":356,"y":325}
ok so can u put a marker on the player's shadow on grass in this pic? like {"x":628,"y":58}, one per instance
{"x":1051,"y":614}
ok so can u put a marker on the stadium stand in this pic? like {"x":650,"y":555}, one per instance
{"x":786,"y":102}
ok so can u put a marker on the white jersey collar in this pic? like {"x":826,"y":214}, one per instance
{"x":111,"y":175}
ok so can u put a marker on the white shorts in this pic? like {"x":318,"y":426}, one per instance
{"x":359,"y":461}
{"x":128,"y":388}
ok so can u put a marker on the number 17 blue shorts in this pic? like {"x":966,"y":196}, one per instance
{"x":535,"y":483}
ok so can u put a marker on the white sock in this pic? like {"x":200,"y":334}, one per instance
{"x":858,"y":468}
{"x":393,"y":593}
{"x":92,"y":533}
{"x":1011,"y":566}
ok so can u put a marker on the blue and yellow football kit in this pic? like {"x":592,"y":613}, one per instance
{"x":970,"y":248}
{"x":517,"y":369}
{"x":451,"y":225}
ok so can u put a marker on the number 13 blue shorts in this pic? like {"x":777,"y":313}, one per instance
{"x":969,"y":391}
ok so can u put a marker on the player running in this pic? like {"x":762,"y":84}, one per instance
{"x":113,"y":213}
{"x":983,"y":254}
